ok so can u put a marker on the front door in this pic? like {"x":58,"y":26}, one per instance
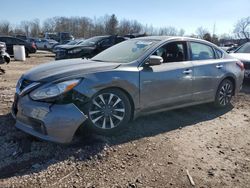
{"x":168,"y":84}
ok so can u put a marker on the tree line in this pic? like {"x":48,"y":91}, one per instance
{"x":84,"y":27}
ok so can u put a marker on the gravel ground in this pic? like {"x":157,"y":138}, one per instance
{"x":154,"y":151}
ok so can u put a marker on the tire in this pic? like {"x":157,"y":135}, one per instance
{"x":109,"y":111}
{"x":26,"y":53}
{"x":224,"y":93}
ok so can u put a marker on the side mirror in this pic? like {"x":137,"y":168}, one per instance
{"x":155,"y":60}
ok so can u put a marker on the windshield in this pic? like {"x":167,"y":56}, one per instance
{"x":126,"y":51}
{"x":91,"y":41}
{"x":245,"y":48}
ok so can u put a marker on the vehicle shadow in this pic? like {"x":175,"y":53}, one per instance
{"x":31,"y":155}
{"x":246,"y":86}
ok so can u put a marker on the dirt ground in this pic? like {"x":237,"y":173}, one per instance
{"x":155,"y":151}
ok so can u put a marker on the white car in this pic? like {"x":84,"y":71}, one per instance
{"x":243,"y":54}
{"x":45,"y":44}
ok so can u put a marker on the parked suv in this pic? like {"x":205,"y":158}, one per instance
{"x":11,"y":41}
{"x":88,"y":48}
{"x":136,"y":77}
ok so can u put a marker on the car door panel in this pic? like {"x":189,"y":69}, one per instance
{"x":168,"y":84}
{"x":208,"y":71}
{"x":207,"y":75}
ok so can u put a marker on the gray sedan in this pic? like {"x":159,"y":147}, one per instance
{"x":136,"y":77}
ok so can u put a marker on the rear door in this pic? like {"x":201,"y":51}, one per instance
{"x":208,"y":71}
{"x":169,"y":84}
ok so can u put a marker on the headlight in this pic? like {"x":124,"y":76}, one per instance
{"x":53,"y":90}
{"x":74,"y":51}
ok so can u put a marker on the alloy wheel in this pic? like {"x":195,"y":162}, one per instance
{"x":107,"y":111}
{"x":225,"y":94}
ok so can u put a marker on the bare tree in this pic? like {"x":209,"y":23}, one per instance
{"x":170,"y":31}
{"x":200,"y":31}
{"x":35,"y":28}
{"x":25,"y":26}
{"x":129,"y":27}
{"x":5,"y":28}
{"x":111,"y":24}
{"x":181,"y":32}
{"x":49,"y":25}
{"x":124,"y":27}
{"x":242,"y":28}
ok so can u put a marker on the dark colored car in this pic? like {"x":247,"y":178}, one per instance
{"x":88,"y":48}
{"x":135,"y":35}
{"x":11,"y":41}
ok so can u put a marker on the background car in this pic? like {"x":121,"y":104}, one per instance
{"x":243,"y":54}
{"x":11,"y":41}
{"x":45,"y":44}
{"x":57,"y":46}
{"x":60,"y":37}
{"x":88,"y":48}
{"x":136,"y":77}
{"x":4,"y":56}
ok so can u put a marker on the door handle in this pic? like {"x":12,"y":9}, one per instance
{"x":219,"y":66}
{"x":187,"y":71}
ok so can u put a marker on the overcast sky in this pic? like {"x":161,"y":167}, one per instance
{"x":186,"y":14}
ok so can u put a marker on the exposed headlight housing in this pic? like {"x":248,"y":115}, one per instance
{"x":53,"y":90}
{"x":74,"y":51}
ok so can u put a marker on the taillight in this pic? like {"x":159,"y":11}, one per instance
{"x":33,"y":45}
{"x":240,"y":64}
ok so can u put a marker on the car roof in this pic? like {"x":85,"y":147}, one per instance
{"x":168,"y":38}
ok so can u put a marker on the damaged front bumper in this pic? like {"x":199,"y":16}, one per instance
{"x":51,"y":122}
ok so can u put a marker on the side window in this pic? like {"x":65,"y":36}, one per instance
{"x":107,"y":42}
{"x":219,"y":53}
{"x":172,"y":52}
{"x":201,"y":51}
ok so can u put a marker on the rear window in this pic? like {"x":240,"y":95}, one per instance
{"x":201,"y":51}
{"x":219,"y":53}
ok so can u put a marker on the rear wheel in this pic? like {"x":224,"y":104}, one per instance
{"x":27,"y":53}
{"x":224,"y":93}
{"x":108,"y":112}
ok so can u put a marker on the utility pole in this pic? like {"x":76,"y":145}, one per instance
{"x":214,"y":29}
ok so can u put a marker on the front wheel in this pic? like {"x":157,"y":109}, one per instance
{"x":108,"y":112}
{"x":224,"y":93}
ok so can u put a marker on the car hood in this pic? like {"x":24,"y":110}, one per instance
{"x":241,"y":56}
{"x":63,"y":69}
